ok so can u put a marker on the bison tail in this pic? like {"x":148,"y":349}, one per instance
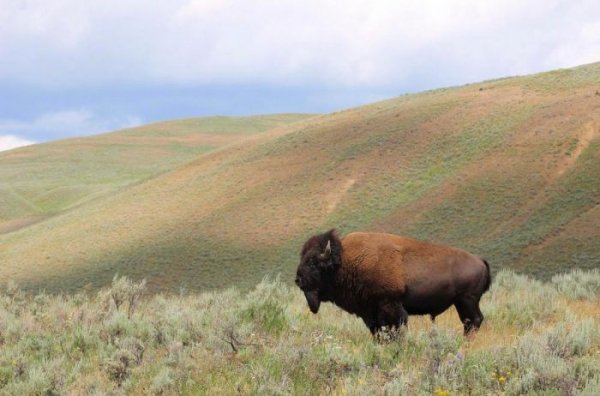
{"x":488,"y":280}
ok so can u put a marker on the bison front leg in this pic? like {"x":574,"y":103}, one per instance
{"x":388,"y":315}
{"x":391,"y":314}
{"x":371,"y":322}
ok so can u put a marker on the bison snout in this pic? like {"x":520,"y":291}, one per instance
{"x":298,"y":281}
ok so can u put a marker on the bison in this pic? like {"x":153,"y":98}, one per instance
{"x":383,"y":278}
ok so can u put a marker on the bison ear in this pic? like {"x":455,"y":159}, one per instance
{"x":327,"y":253}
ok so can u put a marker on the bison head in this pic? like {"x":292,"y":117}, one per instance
{"x":319,"y":260}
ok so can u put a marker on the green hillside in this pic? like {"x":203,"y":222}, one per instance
{"x":44,"y":179}
{"x":509,"y":169}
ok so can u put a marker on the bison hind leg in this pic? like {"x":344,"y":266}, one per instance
{"x":469,"y":313}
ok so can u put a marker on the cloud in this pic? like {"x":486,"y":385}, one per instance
{"x":9,"y":142}
{"x":107,"y":59}
{"x":66,"y":123}
{"x":357,"y":43}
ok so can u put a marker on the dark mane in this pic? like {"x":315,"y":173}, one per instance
{"x":319,"y":242}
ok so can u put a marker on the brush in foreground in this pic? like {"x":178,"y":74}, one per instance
{"x":119,"y":341}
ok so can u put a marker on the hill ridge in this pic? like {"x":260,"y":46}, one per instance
{"x":467,"y":166}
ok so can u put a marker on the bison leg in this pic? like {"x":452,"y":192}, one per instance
{"x":469,"y":313}
{"x":386,"y":313}
{"x":371,"y":324}
{"x":390,"y":315}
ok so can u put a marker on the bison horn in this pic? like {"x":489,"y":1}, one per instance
{"x":325,"y":255}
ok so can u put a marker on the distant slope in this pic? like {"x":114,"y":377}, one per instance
{"x":44,"y":179}
{"x":509,"y":169}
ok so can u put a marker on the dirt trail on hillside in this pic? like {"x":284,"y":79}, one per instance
{"x":561,"y":232}
{"x":336,"y":195}
{"x":584,"y":137}
{"x":590,"y":131}
{"x":21,"y":222}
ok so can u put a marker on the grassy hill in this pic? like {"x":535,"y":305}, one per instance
{"x":266,"y":341}
{"x":41,"y":180}
{"x":509,"y":169}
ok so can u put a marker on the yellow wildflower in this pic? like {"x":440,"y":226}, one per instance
{"x":441,"y":392}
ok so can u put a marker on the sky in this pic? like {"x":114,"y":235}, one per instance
{"x":72,"y":68}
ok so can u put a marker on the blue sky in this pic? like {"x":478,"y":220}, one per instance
{"x":71,"y":68}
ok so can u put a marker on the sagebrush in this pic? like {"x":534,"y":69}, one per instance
{"x":538,"y":338}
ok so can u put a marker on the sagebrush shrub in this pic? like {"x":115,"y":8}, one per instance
{"x":572,"y":337}
{"x":517,"y":300}
{"x":163,"y":381}
{"x":123,"y":290}
{"x":591,"y":388}
{"x":267,"y":342}
{"x":119,"y":365}
{"x":578,"y":284}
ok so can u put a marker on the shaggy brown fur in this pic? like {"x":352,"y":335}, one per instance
{"x":383,"y":278}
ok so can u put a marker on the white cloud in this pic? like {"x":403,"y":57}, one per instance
{"x":332,"y":43}
{"x":67,"y":123}
{"x":579,"y":49}
{"x":9,"y":142}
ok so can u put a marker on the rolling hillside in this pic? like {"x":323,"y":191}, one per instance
{"x":41,"y":180}
{"x":509,"y":169}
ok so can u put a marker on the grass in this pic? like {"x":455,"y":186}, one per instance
{"x":51,"y":177}
{"x":393,"y":188}
{"x":507,"y":169}
{"x":265,"y":341}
